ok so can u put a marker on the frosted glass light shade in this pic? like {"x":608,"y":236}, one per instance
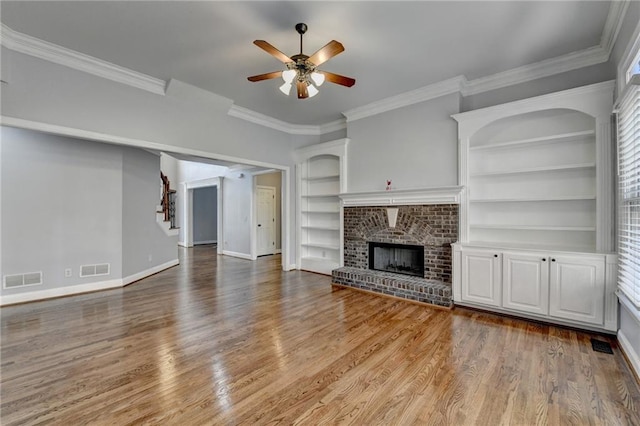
{"x":317,"y":78}
{"x":288,"y":75}
{"x":312,"y":90}
{"x":286,"y":88}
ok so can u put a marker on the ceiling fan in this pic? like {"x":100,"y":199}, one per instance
{"x":302,"y":69}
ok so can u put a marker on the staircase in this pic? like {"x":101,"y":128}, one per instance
{"x":166,"y":211}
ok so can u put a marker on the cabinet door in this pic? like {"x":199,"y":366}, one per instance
{"x":481,"y":279}
{"x":526,"y":282}
{"x":577,"y":288}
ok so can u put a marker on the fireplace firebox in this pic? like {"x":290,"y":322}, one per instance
{"x":397,"y":258}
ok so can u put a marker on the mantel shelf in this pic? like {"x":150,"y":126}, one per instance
{"x":436,"y":195}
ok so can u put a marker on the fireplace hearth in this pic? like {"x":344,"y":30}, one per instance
{"x":397,"y":258}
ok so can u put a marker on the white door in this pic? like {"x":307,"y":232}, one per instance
{"x":526,"y":282}
{"x":266,"y":214}
{"x":577,"y":288}
{"x":481,"y":280}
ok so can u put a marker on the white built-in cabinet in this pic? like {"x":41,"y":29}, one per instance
{"x":321,"y":177}
{"x":536,"y":211}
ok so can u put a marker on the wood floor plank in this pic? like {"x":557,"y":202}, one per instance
{"x":220,"y":340}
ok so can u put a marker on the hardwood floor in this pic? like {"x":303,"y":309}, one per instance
{"x":219,"y":340}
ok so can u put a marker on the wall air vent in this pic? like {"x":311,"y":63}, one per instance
{"x":22,"y":280}
{"x":94,"y":270}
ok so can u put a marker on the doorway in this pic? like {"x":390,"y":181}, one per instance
{"x":205,"y":215}
{"x":266,"y":220}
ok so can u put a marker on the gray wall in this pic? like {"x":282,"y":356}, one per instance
{"x":275,"y":180}
{"x":69,"y":202}
{"x":205,"y":215}
{"x":144,"y":243}
{"x":186,"y":117}
{"x":414,"y":146}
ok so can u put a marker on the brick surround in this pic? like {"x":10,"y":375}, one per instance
{"x":434,"y":226}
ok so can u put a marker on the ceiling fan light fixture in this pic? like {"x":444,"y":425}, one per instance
{"x":289,"y":75}
{"x":286,"y":88}
{"x":312,"y":90}
{"x":317,"y":78}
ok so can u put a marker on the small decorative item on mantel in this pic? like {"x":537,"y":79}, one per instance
{"x":388,"y":184}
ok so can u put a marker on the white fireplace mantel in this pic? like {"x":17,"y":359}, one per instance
{"x":436,"y":195}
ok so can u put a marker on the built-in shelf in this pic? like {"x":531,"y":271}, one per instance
{"x":320,"y":169}
{"x":320,"y":196}
{"x":561,"y":168}
{"x":321,"y":228}
{"x":564,"y":137}
{"x":536,"y":227}
{"x":320,"y":212}
{"x":535,"y":199}
{"x":321,"y":246}
{"x":321,"y":178}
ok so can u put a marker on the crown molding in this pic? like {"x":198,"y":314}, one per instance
{"x":591,"y":56}
{"x":32,"y":46}
{"x":615,"y":18}
{"x":292,"y":129}
{"x":431,"y":91}
{"x":548,"y":67}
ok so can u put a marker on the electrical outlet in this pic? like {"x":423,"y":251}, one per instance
{"x":68,"y":272}
{"x":324,"y":253}
{"x":150,"y":258}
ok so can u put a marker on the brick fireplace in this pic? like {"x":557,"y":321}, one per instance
{"x":433,"y":227}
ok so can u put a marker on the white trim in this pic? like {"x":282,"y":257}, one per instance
{"x":548,"y":67}
{"x":32,"y":296}
{"x":292,"y":129}
{"x":630,"y":307}
{"x":187,"y":208}
{"x":629,"y":351}
{"x":236,"y":254}
{"x":439,"y":195}
{"x":630,"y":53}
{"x":337,"y":147}
{"x":148,"y":272}
{"x":119,"y":140}
{"x":425,"y":93}
{"x":72,"y":290}
{"x":35,"y":47}
{"x":195,"y":243}
{"x":615,"y":18}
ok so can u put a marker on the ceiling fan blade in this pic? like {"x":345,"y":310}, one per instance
{"x":338,"y":79}
{"x":327,"y":52}
{"x":266,"y":76}
{"x":303,"y":93}
{"x":267,"y":47}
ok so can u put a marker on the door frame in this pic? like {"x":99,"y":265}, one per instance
{"x":187,"y":213}
{"x":254,"y":212}
{"x":275,"y":215}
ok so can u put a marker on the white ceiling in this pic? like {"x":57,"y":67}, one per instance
{"x":390,"y":47}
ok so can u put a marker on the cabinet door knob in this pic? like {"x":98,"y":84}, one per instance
{"x":553,"y":260}
{"x":544,"y":259}
{"x":495,"y":255}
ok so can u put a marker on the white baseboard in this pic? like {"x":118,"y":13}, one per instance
{"x":629,"y":351}
{"x":290,"y":267}
{"x":51,"y":293}
{"x":146,"y":273}
{"x":236,"y":254}
{"x":32,"y":296}
{"x":278,"y":251}
{"x":205,"y":242}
